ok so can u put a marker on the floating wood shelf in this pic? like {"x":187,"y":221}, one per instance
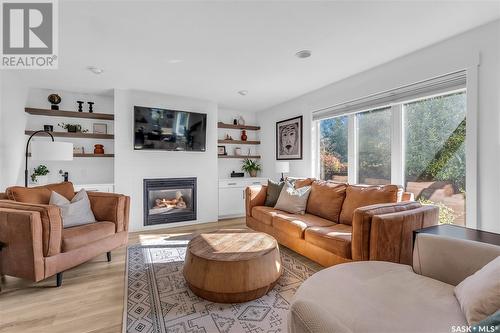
{"x":93,"y":155}
{"x":90,"y":155}
{"x":77,"y":135}
{"x":69,"y":114}
{"x":239,"y":156}
{"x":238,"y":142}
{"x":231,"y":126}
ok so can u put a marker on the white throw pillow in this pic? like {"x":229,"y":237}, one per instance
{"x":479,"y":294}
{"x":74,"y":212}
{"x":293,"y":200}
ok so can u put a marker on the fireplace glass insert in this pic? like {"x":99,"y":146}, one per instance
{"x":168,"y":200}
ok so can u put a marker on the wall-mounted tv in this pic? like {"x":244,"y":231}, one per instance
{"x":163,"y":129}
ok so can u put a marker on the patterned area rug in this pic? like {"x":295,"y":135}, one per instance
{"x":159,"y":301}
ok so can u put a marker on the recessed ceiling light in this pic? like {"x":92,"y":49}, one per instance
{"x":303,"y":54}
{"x":243,"y":92}
{"x":174,"y":61}
{"x":95,"y":70}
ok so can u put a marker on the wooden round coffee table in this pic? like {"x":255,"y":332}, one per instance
{"x":232,"y":266}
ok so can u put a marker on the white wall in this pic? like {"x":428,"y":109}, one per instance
{"x":226,"y":165}
{"x":17,"y":96}
{"x":450,"y":55}
{"x":14,"y":93}
{"x":131,"y":167}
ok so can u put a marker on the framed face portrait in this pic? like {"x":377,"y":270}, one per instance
{"x":289,"y":139}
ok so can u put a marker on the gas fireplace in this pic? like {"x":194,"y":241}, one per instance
{"x":168,"y":200}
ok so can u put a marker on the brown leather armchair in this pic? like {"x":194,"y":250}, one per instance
{"x":35,"y":245}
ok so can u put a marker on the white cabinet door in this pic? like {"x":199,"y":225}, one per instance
{"x":231,"y":201}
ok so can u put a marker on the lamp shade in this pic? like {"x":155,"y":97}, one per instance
{"x":51,"y":151}
{"x":282,"y":167}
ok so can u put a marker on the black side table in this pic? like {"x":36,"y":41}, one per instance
{"x":455,"y":231}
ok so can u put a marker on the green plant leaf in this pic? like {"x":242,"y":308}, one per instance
{"x":249,"y":165}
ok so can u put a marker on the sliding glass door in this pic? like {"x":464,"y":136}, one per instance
{"x":418,"y":144}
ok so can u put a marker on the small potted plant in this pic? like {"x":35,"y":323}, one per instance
{"x":72,"y":128}
{"x":39,"y":175}
{"x":252,"y":167}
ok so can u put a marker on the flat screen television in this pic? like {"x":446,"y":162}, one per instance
{"x":163,"y":129}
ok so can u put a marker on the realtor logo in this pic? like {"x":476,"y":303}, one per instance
{"x":29,"y":34}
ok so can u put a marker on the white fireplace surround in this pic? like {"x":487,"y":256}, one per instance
{"x":132,"y":166}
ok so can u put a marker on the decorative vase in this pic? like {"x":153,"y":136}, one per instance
{"x":54,"y":99}
{"x":98,"y":149}
{"x":244,"y":135}
{"x":237,"y":151}
{"x":253,"y":173}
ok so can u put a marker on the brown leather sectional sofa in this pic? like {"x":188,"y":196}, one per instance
{"x":344,"y":222}
{"x":35,"y":244}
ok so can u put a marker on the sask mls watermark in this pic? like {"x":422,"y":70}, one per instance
{"x":29,"y":34}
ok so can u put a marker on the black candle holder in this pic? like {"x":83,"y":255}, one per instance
{"x":80,"y":106}
{"x":90,"y":106}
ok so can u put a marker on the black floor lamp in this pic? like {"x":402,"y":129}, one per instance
{"x":46,"y":151}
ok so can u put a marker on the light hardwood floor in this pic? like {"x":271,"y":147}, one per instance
{"x":91,"y":297}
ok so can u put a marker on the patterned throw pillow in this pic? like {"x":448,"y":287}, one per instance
{"x":490,"y":324}
{"x":293,"y":200}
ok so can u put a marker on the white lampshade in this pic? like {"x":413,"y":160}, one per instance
{"x":51,"y":151}
{"x":282,"y":167}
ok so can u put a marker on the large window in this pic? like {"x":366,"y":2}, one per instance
{"x":333,"y":148}
{"x":419,"y":145}
{"x":374,"y":146}
{"x":435,"y":153}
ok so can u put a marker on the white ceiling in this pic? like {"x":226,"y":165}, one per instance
{"x":231,"y":46}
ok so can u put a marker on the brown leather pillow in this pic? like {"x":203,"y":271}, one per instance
{"x":360,"y":196}
{"x":40,"y":194}
{"x":303,"y":182}
{"x":326,"y":200}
